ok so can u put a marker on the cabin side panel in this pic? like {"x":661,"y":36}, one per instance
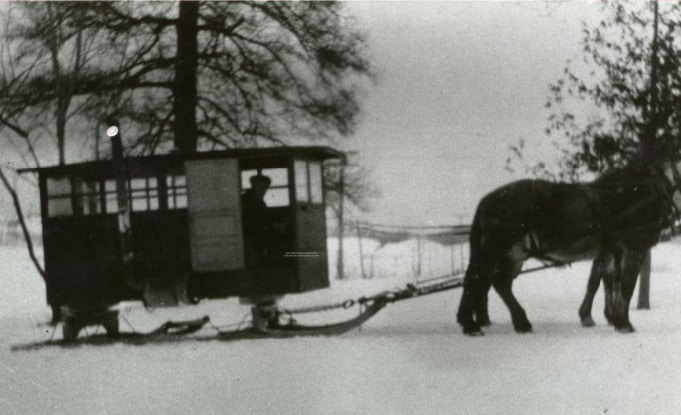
{"x":82,"y":261}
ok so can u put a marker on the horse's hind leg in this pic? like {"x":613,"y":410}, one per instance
{"x":470,"y":298}
{"x":507,"y":270}
{"x":597,"y":270}
{"x":481,"y":307}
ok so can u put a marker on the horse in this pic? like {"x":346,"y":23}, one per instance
{"x":613,"y":220}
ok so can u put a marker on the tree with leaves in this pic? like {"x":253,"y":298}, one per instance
{"x":621,"y":101}
{"x":630,"y":79}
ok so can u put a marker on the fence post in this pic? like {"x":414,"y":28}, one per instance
{"x":361,"y":251}
{"x":418,"y":255}
{"x":644,"y":284}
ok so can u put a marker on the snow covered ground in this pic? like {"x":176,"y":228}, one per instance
{"x":409,"y":359}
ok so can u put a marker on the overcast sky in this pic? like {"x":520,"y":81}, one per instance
{"x":459,"y":82}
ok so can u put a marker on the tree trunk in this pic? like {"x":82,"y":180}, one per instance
{"x":340,"y":271}
{"x":650,"y":152}
{"x":185,"y":89}
{"x":649,"y":138}
{"x":22,"y":223}
{"x":56,"y":311}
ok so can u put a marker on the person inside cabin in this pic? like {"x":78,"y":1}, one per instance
{"x":256,"y":222}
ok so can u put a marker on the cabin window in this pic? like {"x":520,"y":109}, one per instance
{"x":59,"y":196}
{"x":177,"y":192}
{"x":300,"y":168}
{"x":316,"y":188}
{"x":309,"y":181}
{"x":144,"y":193}
{"x":86,"y":197}
{"x":278,"y":193}
{"x":111,"y":197}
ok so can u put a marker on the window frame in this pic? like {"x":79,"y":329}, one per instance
{"x":309,"y":198}
{"x":176,"y":196}
{"x":245,"y":183}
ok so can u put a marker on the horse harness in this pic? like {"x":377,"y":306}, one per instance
{"x":532,"y":245}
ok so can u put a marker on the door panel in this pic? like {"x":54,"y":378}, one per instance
{"x":311,"y":241}
{"x":216,"y":236}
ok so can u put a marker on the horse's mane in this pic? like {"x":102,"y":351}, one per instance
{"x":645,"y":176}
{"x":631,"y":174}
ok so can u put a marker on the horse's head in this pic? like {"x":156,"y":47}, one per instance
{"x":640,"y":193}
{"x":673,"y":188}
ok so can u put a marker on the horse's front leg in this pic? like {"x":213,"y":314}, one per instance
{"x":622,"y":288}
{"x":507,"y":269}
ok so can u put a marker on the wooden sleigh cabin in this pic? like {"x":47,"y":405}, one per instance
{"x":185,"y":237}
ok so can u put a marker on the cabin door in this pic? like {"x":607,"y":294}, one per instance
{"x":214,"y":206}
{"x":310,"y":225}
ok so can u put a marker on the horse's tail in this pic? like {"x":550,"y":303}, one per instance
{"x":471,"y":287}
{"x":474,"y":246}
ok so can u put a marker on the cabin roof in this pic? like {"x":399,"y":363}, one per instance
{"x":314,"y":152}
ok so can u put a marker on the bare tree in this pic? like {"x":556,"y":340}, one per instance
{"x":348,"y":186}
{"x":49,"y":56}
{"x":192,"y":74}
{"x":218,"y":74}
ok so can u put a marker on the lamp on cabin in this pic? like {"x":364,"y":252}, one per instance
{"x":112,"y":128}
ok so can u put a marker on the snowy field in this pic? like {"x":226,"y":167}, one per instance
{"x":409,"y":359}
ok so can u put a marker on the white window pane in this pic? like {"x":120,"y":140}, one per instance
{"x":58,"y":186}
{"x":277,"y":197}
{"x":181,"y":201}
{"x":86,"y":187}
{"x":138,"y":183}
{"x":153,"y":199}
{"x":59,"y":206}
{"x":110,"y":186}
{"x":246,"y":178}
{"x":177,"y":193}
{"x":300,"y":170}
{"x":139,"y":204}
{"x":316,"y":193}
{"x":86,"y":197}
{"x":174,"y":181}
{"x":111,"y":203}
{"x":279,"y":177}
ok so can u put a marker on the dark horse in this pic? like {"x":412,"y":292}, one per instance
{"x":615,"y":220}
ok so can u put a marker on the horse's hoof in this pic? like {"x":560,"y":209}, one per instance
{"x":484,"y":323}
{"x":523,"y":328}
{"x":625,"y":329}
{"x":477,"y":333}
{"x":588,"y":322}
{"x":471,"y":329}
